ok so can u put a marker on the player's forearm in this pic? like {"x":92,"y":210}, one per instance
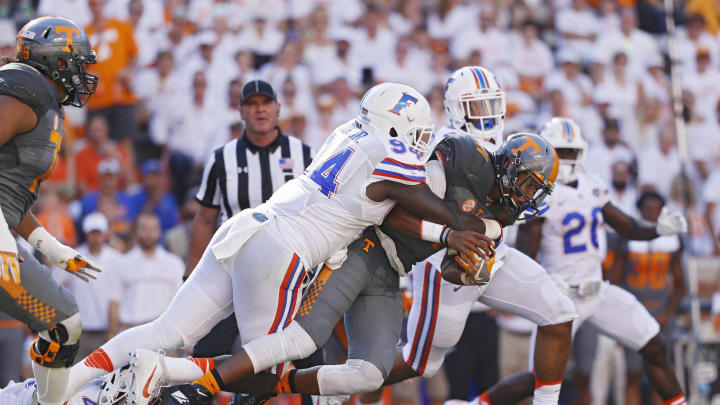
{"x":627,"y":226}
{"x":28,"y":225}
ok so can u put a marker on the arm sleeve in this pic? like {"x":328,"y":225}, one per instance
{"x":209,"y":192}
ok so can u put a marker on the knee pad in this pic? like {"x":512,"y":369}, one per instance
{"x":291,"y":343}
{"x":57,"y":347}
{"x":354,"y":377}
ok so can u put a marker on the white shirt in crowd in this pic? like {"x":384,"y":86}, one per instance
{"x":582,"y":22}
{"x":599,"y":159}
{"x":94,"y":298}
{"x":639,"y":47}
{"x":652,"y":161}
{"x":146,"y":285}
{"x":190,"y":129}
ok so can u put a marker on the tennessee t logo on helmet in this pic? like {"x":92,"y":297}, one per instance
{"x":69,"y":32}
{"x":529,"y":143}
{"x":404,"y":102}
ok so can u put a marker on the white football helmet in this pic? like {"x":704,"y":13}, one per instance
{"x":564,"y":133}
{"x":475,"y":103}
{"x":398,"y":111}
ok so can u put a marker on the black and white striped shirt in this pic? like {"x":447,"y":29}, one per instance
{"x":241,"y":175}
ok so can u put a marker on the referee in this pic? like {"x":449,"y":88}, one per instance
{"x":243,"y":174}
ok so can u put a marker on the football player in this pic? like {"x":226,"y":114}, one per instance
{"x":645,"y":275}
{"x":256,"y":261}
{"x":49,"y":71}
{"x":569,"y":241}
{"x":475,"y":106}
{"x":366,"y":290}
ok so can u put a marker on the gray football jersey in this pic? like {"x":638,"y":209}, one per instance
{"x":469,"y":175}
{"x":29,"y":157}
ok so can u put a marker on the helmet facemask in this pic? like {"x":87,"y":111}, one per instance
{"x":571,"y":162}
{"x":484,"y":116}
{"x":523,"y":187}
{"x":74,"y":77}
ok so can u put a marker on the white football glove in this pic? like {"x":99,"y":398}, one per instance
{"x":62,"y":256}
{"x":671,"y":223}
{"x":9,"y":259}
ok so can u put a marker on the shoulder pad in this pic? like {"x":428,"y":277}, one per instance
{"x":465,"y":161}
{"x":29,"y":86}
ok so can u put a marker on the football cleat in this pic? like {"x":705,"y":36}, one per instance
{"x":149,"y":370}
{"x":186,"y":394}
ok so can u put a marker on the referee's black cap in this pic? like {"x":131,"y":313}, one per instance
{"x":257,"y":87}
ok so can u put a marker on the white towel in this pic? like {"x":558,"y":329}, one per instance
{"x":243,"y":226}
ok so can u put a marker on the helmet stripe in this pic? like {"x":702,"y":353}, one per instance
{"x":568,"y":129}
{"x":481,"y":76}
{"x":475,"y":76}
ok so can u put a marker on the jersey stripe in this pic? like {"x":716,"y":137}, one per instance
{"x":397,"y":163}
{"x":399,"y":176}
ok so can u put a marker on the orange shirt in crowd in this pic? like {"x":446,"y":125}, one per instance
{"x":709,"y":10}
{"x":87,"y":160}
{"x":115,"y":46}
{"x":60,"y":224}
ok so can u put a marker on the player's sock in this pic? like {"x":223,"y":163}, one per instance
{"x":546,"y":392}
{"x":210,"y":380}
{"x":286,"y":384}
{"x":678,"y":400}
{"x":155,"y":335}
{"x":182,"y":370}
{"x":51,"y":384}
{"x":483,"y":399}
{"x":98,"y":363}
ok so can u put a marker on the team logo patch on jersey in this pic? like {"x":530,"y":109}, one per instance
{"x":30,"y":383}
{"x":260,"y":217}
{"x":469,"y":205}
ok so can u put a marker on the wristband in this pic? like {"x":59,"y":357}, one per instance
{"x":431,"y":232}
{"x":41,"y":239}
{"x":444,"y":235}
{"x":715,"y":307}
{"x":493,"y":230}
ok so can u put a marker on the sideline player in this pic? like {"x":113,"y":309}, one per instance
{"x":645,"y":275}
{"x":256,"y":261}
{"x":569,"y":242}
{"x":50,"y":71}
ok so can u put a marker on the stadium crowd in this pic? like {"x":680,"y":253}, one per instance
{"x":171,"y":75}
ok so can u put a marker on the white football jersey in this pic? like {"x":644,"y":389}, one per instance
{"x":21,"y":393}
{"x":326,"y":208}
{"x":573,"y":242}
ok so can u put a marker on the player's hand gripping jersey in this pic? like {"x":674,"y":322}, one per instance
{"x":573,"y":242}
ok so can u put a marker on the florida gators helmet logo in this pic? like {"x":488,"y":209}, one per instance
{"x":404,"y":102}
